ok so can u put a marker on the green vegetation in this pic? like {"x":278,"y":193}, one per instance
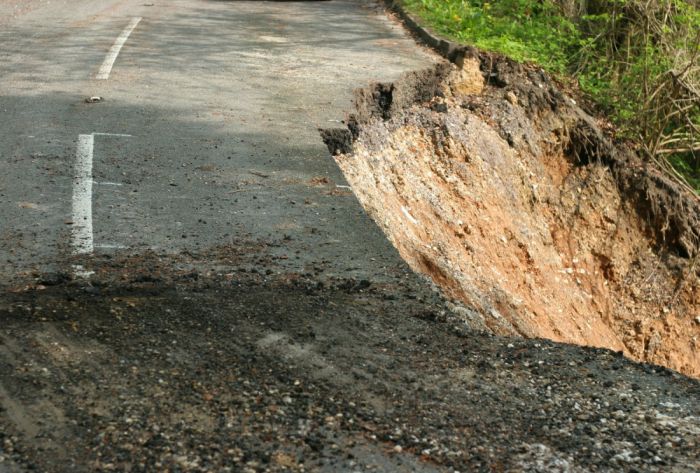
{"x":638,"y":59}
{"x":526,"y":30}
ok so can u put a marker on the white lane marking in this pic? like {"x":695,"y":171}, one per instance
{"x":82,"y":196}
{"x":108,"y":246}
{"x":80,"y":272}
{"x":106,"y":68}
{"x":82,"y":232}
{"x":106,"y":183}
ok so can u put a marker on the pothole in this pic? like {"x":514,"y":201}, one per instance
{"x":512,"y":201}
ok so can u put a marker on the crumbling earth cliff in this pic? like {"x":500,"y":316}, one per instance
{"x":509,"y":197}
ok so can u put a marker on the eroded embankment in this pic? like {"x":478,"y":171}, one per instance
{"x":508,"y":196}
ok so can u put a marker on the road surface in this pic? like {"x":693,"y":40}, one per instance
{"x":189,"y":284}
{"x":206,"y":132}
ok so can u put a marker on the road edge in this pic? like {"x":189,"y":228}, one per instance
{"x":450,"y":50}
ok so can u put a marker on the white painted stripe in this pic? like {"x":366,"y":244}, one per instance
{"x":80,"y":272}
{"x":82,"y":196}
{"x":106,"y":68}
{"x":111,"y":134}
{"x":109,"y":246}
{"x":107,"y":183}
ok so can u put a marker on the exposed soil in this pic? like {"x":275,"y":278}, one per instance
{"x":499,"y":188}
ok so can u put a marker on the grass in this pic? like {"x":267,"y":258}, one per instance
{"x":523,"y":30}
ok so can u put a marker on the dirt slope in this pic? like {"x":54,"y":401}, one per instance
{"x":495,"y":185}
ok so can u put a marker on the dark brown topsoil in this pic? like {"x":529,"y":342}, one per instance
{"x":171,"y":366}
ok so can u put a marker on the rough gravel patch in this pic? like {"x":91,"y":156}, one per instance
{"x":277,"y":373}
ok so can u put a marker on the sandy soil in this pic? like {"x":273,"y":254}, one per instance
{"x":486,"y":198}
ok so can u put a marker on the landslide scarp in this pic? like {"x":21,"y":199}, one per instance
{"x":499,"y":188}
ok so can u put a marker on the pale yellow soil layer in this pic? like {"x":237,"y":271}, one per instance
{"x":542,"y":247}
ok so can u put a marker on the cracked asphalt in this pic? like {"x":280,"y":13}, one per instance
{"x":239,"y":311}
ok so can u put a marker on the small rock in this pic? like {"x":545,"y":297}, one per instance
{"x":511,"y":97}
{"x":468,"y":79}
{"x":440,"y":107}
{"x":93,"y":99}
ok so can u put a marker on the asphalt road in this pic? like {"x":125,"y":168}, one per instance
{"x":206,"y":132}
{"x":189,"y":285}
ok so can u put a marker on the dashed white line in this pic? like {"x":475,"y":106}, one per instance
{"x":83,"y":181}
{"x":110,"y":246}
{"x":111,"y":134}
{"x":80,"y":272}
{"x":106,"y":68}
{"x":82,"y":196}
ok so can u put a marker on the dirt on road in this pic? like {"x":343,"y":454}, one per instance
{"x":175,"y":366}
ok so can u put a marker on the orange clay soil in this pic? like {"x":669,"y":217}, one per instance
{"x":542,"y":245}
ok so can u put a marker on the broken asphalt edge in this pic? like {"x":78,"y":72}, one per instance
{"x":340,"y":140}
